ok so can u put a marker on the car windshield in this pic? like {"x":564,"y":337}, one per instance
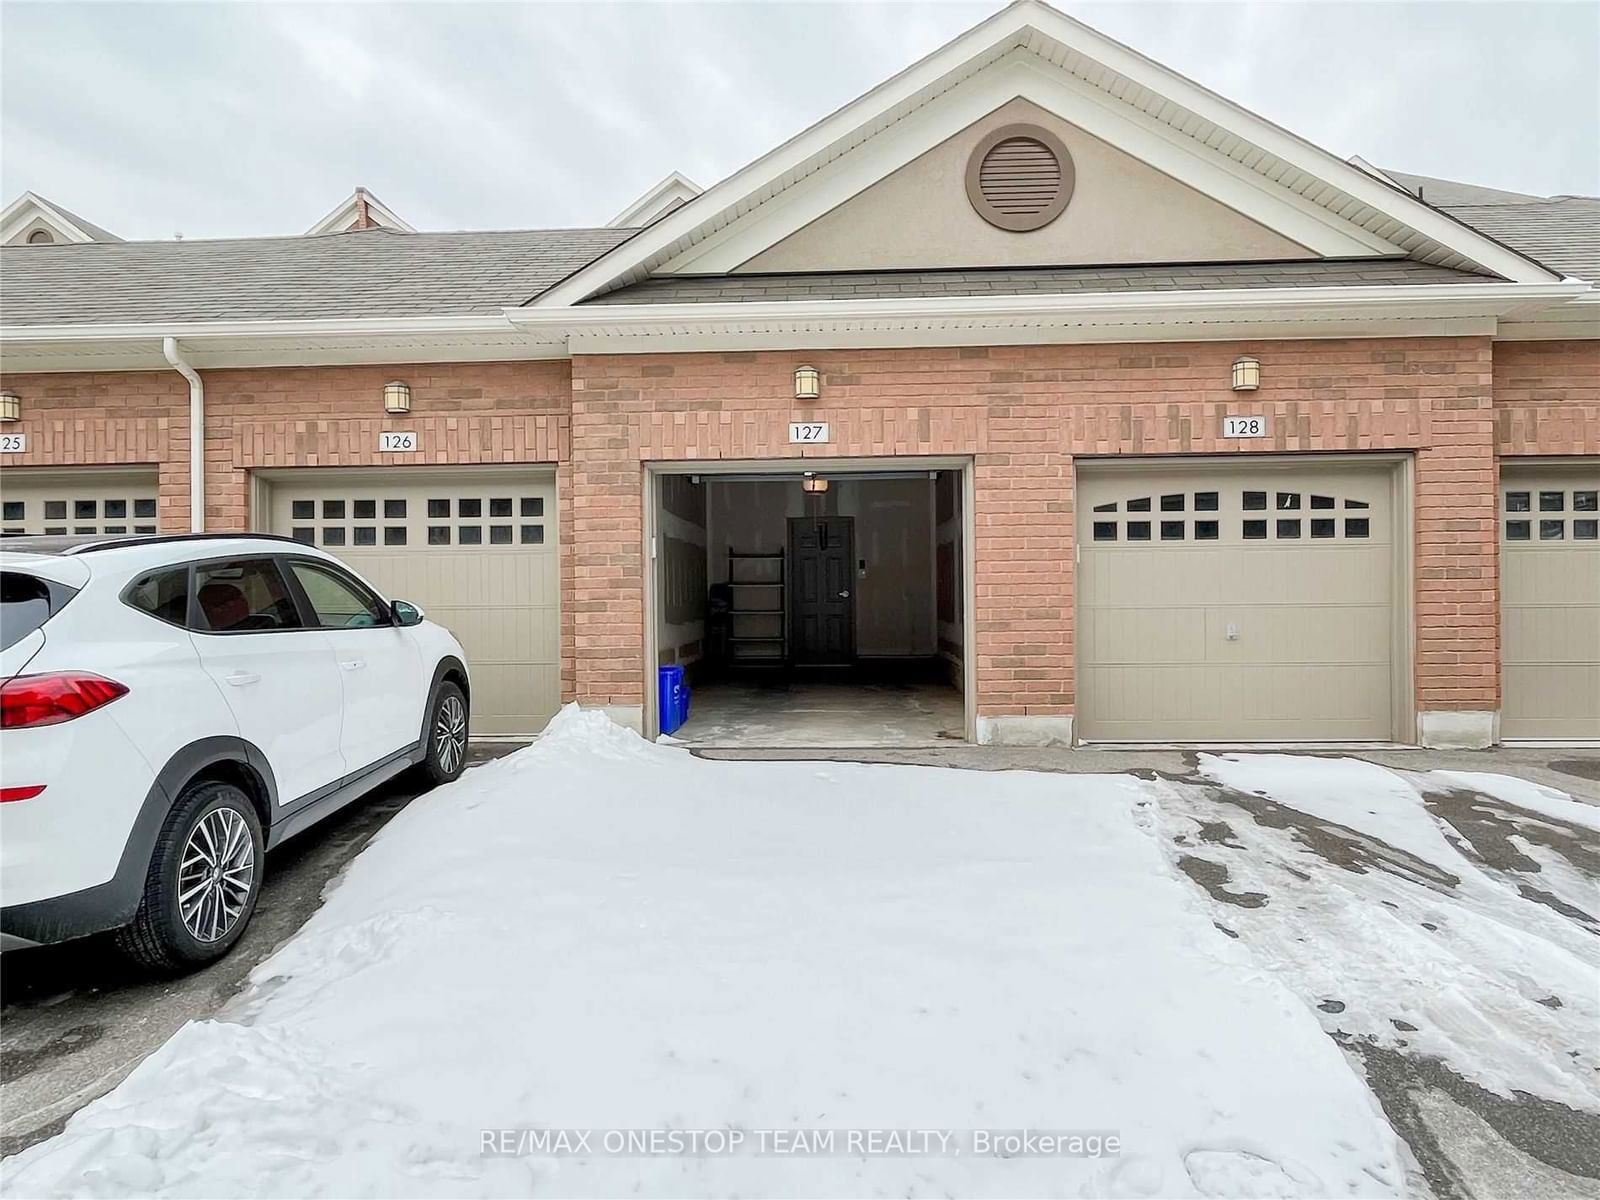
{"x":26,"y":603}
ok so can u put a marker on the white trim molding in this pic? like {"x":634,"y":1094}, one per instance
{"x":1371,"y":311}
{"x":1419,"y":310}
{"x":672,"y":192}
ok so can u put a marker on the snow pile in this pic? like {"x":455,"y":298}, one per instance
{"x":1524,"y":794}
{"x":600,"y":934}
{"x":1379,"y":911}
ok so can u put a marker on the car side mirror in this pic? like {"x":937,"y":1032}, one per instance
{"x":404,"y":613}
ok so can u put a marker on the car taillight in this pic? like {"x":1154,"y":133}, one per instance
{"x":31,"y":700}
{"x":7,"y":795}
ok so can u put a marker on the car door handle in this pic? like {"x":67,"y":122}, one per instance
{"x":242,"y":678}
{"x":353,"y":664}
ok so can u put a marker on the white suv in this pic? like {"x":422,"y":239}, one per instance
{"x":173,"y":707}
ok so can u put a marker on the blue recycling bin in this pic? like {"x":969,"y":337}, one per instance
{"x":672,"y":699}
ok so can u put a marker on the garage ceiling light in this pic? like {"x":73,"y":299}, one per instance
{"x":397,"y":397}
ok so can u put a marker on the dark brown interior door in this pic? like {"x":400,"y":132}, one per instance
{"x":821,"y":558}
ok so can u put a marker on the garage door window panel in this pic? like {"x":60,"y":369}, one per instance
{"x":88,"y":515}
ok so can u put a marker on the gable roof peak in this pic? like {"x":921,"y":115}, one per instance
{"x":1086,"y":77}
{"x":671,"y":193}
{"x":361,"y":210}
{"x":30,"y":218}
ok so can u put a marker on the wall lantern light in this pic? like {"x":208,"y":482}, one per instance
{"x":1246,"y":374}
{"x":397,"y":397}
{"x":10,"y":406}
{"x":807,"y":383}
{"x":814,"y":484}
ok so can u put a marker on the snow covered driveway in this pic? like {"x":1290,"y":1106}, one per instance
{"x":596,"y":936}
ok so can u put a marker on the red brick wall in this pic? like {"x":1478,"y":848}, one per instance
{"x":1021,"y":413}
{"x":1547,"y":397}
{"x":132,"y":418}
{"x":505,"y":412}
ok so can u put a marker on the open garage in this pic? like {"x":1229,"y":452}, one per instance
{"x":1248,"y":600}
{"x":474,"y":547}
{"x":814,"y":605}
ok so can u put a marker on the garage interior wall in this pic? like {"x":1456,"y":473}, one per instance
{"x":949,"y":586}
{"x":894,"y":548}
{"x":681,"y":528}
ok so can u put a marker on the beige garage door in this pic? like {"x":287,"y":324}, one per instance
{"x":76,"y":500}
{"x":476,"y":549}
{"x":1254,"y":603}
{"x":1550,"y":601}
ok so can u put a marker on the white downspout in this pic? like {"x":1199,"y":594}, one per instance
{"x":197,"y":434}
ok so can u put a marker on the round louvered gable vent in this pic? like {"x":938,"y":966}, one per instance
{"x":1020,"y":178}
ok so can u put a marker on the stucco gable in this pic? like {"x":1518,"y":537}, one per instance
{"x":1121,"y":211}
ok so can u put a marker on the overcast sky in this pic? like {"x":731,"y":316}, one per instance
{"x":221,"y":119}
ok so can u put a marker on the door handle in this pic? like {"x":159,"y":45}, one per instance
{"x":353,"y":664}
{"x":242,"y":678}
{"x":844,"y":595}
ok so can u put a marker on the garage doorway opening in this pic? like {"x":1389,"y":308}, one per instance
{"x":814,"y":605}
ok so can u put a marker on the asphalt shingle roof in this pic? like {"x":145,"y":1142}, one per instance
{"x":89,"y":227}
{"x":374,"y":273}
{"x":387,"y":273}
{"x":1562,"y":232}
{"x":1015,"y":281}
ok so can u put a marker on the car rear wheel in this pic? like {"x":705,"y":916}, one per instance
{"x":447,"y":735}
{"x":203,"y":883}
